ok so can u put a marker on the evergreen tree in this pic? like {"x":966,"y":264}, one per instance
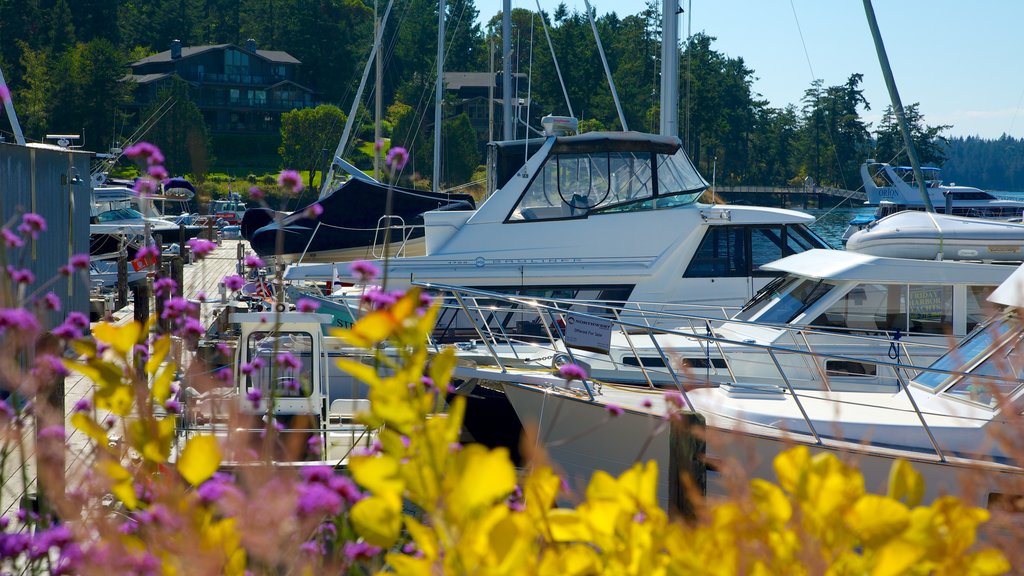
{"x":181,"y":133}
{"x":928,"y":140}
{"x":35,"y":104}
{"x":306,"y":133}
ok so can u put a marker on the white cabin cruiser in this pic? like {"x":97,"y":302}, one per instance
{"x":956,"y":421}
{"x":604,"y":215}
{"x":894,"y":189}
{"x":830,"y":302}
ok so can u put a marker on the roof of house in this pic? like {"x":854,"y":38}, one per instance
{"x":459,"y":80}
{"x":189,"y":51}
{"x":147,"y":78}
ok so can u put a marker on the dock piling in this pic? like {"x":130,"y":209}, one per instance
{"x":687,"y":470}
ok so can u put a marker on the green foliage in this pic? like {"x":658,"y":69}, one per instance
{"x":181,"y":133}
{"x":309,"y":136}
{"x":928,"y":140}
{"x":460,"y":155}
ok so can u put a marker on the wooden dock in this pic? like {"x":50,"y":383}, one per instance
{"x":203,"y":276}
{"x":803,"y":196}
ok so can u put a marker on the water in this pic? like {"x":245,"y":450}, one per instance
{"x":830,"y":223}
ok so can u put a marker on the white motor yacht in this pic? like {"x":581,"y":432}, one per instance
{"x":956,"y":421}
{"x":605,"y":215}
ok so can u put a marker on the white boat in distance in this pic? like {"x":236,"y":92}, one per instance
{"x":894,"y":189}
{"x":924,"y":235}
{"x":611,"y":216}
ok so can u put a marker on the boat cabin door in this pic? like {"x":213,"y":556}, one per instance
{"x":280,"y":362}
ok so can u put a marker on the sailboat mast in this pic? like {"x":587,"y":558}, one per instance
{"x":669,"y":124}
{"x":438,"y":97}
{"x":378,"y":104}
{"x":506,"y":74}
{"x":897,"y":106}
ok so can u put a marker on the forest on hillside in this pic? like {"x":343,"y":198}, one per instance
{"x":65,"y":62}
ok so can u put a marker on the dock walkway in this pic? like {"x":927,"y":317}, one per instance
{"x":203,"y":276}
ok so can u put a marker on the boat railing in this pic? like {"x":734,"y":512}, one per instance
{"x":382,"y":235}
{"x":475,"y":303}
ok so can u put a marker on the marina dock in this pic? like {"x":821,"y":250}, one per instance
{"x":203,"y":276}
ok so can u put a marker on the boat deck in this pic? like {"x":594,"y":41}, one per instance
{"x":202,"y":276}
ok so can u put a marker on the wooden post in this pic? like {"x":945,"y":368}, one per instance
{"x":182,"y":247}
{"x":239,"y":257}
{"x":687,"y":471}
{"x":140,"y":292}
{"x":178,"y":274}
{"x":122,"y":279}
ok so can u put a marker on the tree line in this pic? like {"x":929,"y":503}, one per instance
{"x":66,"y":61}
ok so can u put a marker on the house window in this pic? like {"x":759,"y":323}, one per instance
{"x":261,"y":97}
{"x":234,"y":94}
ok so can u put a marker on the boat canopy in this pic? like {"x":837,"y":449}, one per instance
{"x":604,"y":172}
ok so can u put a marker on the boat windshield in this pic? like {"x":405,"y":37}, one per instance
{"x":291,"y":379}
{"x":575,"y":185}
{"x":119,"y":214}
{"x":994,"y":350}
{"x":766,"y":296}
{"x":788,"y":305}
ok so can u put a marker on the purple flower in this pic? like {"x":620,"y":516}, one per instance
{"x":174,"y":307}
{"x":158,"y":173}
{"x":67,"y":332}
{"x":79,"y":262}
{"x":288,"y":360}
{"x":378,"y":298}
{"x":83,"y":405}
{"x":11,"y":239}
{"x":360,"y":551}
{"x":256,"y":193}
{"x":34,"y":222}
{"x":378,"y":147}
{"x":254,"y":261}
{"x":307,"y":305}
{"x":315,"y":445}
{"x":254,"y":395}
{"x":572,"y":372}
{"x":396,"y":159}
{"x":78,"y":320}
{"x":613,"y":409}
{"x":201,"y":246}
{"x":145,"y":152}
{"x":165,"y":287}
{"x":224,"y":374}
{"x":364,"y":271}
{"x":321,"y":474}
{"x":147,"y":251}
{"x":191,"y":327}
{"x":216,"y":488}
{"x":313,"y":210}
{"x":233,"y":282}
{"x":145,"y":187}
{"x":647,"y":403}
{"x":172,"y":406}
{"x":318,"y":499}
{"x":22,"y":276}
{"x":5,"y":94}
{"x":673,"y":398}
{"x":250,"y":367}
{"x":290,"y":180}
{"x":51,"y":364}
{"x":19,"y":320}
{"x":346,"y":488}
{"x":51,"y":301}
{"x":55,"y":432}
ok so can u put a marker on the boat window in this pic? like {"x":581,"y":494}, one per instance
{"x":722,"y":252}
{"x":119,"y":214}
{"x":870,"y":307}
{"x":850,"y":368}
{"x":766,"y":245}
{"x":1005,"y":363}
{"x":288,"y":382}
{"x":965,"y":355}
{"x":795,"y":302}
{"x":800,"y":238}
{"x":766,"y":296}
{"x":930,"y":309}
{"x":576,"y":185}
{"x":978,"y":307}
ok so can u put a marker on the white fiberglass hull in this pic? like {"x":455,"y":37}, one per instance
{"x":583,"y":436}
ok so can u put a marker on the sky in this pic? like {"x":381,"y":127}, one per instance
{"x":961,"y":61}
